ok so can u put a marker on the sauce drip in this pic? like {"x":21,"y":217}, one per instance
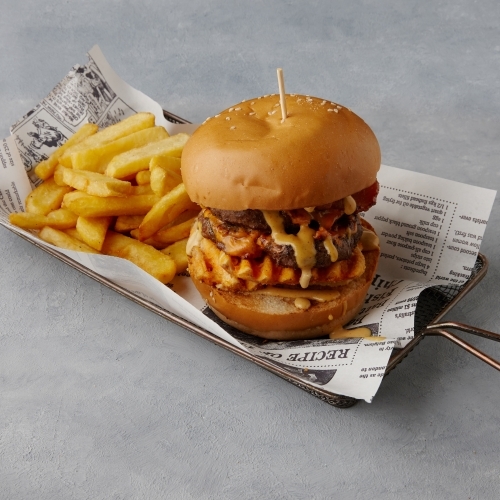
{"x":302,"y":244}
{"x":291,"y":293}
{"x":349,"y":205}
{"x":301,"y":303}
{"x":331,"y":249}
{"x":369,"y":240}
{"x":341,"y":333}
{"x":194,"y":239}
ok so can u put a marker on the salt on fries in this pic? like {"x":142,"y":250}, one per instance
{"x":116,"y":191}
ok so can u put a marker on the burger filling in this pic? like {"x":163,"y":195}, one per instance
{"x":313,"y":245}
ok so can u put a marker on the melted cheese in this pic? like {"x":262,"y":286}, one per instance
{"x":331,"y":249}
{"x":369,"y":240}
{"x":340,"y":333}
{"x":349,"y":205}
{"x":302,"y":244}
{"x":194,"y":239}
{"x":291,"y":293}
{"x":301,"y":303}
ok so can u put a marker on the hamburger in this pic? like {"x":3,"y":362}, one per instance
{"x":279,"y":249}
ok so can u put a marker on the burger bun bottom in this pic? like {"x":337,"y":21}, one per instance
{"x":277,"y":318}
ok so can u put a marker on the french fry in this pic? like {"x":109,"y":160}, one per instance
{"x":63,"y":240}
{"x":58,"y":219}
{"x":164,"y":181}
{"x":164,"y":211}
{"x":144,"y":189}
{"x":177,"y":252}
{"x":129,"y":125}
{"x":166,"y":162}
{"x":158,"y":242}
{"x":94,"y":206}
{"x":170,"y":234}
{"x":126,"y":223}
{"x":143,"y":177}
{"x":93,"y":230}
{"x":46,"y":197}
{"x":95,"y":183}
{"x":58,"y":175}
{"x":45,"y":168}
{"x":147,"y":258}
{"x":96,"y":158}
{"x":135,"y":160}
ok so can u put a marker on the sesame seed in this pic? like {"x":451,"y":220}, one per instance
{"x":252,"y":113}
{"x":232,"y":128}
{"x":323,"y":103}
{"x":217,"y":116}
{"x":267,"y":95}
{"x":230,"y":109}
{"x":329,"y":109}
{"x":336,"y":110}
{"x":276,"y":105}
{"x":252,"y":103}
{"x":227,"y":117}
{"x":209,"y":118}
{"x":339,"y":107}
{"x":237,"y":109}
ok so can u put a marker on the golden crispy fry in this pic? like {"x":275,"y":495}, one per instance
{"x":144,"y":189}
{"x":132,"y":124}
{"x":135,"y":160}
{"x":45,"y":168}
{"x":147,"y":258}
{"x":94,"y":206}
{"x":143,"y":177}
{"x":164,"y":211}
{"x":177,"y":252}
{"x":58,"y":219}
{"x":74,"y":233}
{"x":63,"y":240}
{"x":46,"y":197}
{"x":58,"y":175}
{"x":97,"y":158}
{"x":95,"y":183}
{"x":93,"y":230}
{"x":166,"y":162}
{"x":126,"y":223}
{"x":173,"y":233}
{"x":164,"y":181}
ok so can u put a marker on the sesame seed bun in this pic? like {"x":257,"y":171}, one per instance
{"x":245,"y":157}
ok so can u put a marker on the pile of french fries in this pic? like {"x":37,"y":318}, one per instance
{"x":116,"y":191}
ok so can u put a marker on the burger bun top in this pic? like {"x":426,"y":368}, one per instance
{"x":246,"y":157}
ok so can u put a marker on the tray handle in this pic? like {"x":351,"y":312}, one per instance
{"x":440,"y":330}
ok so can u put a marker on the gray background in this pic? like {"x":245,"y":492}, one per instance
{"x":102,"y":399}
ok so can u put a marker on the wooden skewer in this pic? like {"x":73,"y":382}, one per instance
{"x":281,"y":85}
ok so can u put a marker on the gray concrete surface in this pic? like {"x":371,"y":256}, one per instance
{"x":102,"y":399}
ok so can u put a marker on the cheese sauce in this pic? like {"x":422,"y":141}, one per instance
{"x":349,"y":205}
{"x":302,"y":244}
{"x":291,"y":293}
{"x":331,"y":249}
{"x":369,"y":240}
{"x":341,"y":333}
{"x":194,"y":239}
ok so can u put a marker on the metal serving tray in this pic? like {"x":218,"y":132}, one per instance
{"x":432,"y":305}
